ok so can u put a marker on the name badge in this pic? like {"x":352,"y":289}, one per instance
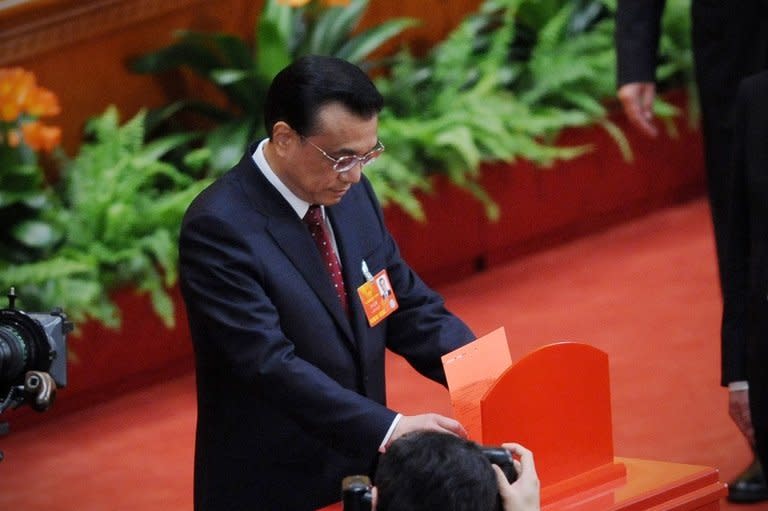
{"x":377,"y":296}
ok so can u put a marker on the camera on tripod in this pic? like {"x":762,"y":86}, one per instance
{"x":356,"y":489}
{"x":33,"y":356}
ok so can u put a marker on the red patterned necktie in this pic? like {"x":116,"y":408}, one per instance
{"x":314,"y":219}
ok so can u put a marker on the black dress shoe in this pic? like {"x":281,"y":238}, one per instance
{"x":750,"y":486}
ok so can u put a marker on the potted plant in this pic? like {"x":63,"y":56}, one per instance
{"x":25,"y":140}
{"x":117,"y":209}
{"x":95,"y":235}
{"x":517,"y":106}
{"x":242,"y":70}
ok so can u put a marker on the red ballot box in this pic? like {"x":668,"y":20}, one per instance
{"x":556,"y":401}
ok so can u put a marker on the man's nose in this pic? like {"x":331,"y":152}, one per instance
{"x":353,"y":174}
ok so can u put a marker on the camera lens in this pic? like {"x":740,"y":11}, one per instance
{"x":13,"y":354}
{"x":23,"y":346}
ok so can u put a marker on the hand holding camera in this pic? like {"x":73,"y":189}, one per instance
{"x":502,"y":458}
{"x":524,"y":494}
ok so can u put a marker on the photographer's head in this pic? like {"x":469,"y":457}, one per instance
{"x":430,"y":470}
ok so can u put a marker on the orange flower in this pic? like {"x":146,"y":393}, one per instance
{"x":42,"y":102}
{"x":22,"y":102}
{"x":13,"y":138}
{"x":14,"y":85}
{"x":41,"y":137}
{"x":19,"y":94}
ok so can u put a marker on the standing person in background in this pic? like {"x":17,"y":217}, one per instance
{"x":730,"y":42}
{"x":745,"y":295}
{"x":278,"y":266}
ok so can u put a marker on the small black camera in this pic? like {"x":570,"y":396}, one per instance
{"x":503,"y":458}
{"x":33,"y":356}
{"x":356,"y":493}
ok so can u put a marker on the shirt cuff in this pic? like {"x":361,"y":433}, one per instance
{"x":736,"y":386}
{"x":391,"y":429}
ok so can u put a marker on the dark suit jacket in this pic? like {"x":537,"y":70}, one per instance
{"x":745,"y":297}
{"x":730,"y":42}
{"x":291,"y":393}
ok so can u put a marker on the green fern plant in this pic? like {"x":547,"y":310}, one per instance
{"x":242,"y":70}
{"x":119,"y":209}
{"x":25,"y":235}
{"x":502,"y":86}
{"x":676,"y":54}
{"x":454,"y":109}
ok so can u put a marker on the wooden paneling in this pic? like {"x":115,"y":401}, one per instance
{"x":79,"y":48}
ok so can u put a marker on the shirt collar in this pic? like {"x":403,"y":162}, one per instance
{"x":300,"y":206}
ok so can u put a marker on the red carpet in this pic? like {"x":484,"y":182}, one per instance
{"x":644,"y":292}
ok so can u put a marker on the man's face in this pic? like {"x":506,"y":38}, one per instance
{"x":309,"y":173}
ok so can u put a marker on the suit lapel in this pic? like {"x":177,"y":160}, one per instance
{"x":293,"y":238}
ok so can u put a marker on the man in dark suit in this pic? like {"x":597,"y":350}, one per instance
{"x":290,"y":369}
{"x":745,"y":295}
{"x":730,"y":42}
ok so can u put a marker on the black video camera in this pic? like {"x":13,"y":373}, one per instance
{"x":356,"y":490}
{"x":356,"y":493}
{"x":33,"y":356}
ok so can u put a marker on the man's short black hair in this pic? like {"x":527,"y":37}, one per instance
{"x":309,"y":83}
{"x":428,"y":470}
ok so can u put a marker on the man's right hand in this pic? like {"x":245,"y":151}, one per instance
{"x":428,"y":421}
{"x":524,"y":493}
{"x":637,"y":100}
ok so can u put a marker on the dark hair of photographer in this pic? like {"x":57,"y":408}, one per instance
{"x":431,"y":470}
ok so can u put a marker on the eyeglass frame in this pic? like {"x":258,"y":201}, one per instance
{"x":363,"y":160}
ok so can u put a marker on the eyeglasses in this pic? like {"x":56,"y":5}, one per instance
{"x":348,"y":161}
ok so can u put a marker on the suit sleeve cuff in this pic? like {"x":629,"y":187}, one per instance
{"x":391,"y":430}
{"x":734,"y":386}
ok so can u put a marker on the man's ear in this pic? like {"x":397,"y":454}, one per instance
{"x":374,"y":498}
{"x":283,"y":138}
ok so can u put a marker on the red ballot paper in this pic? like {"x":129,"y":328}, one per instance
{"x":471,"y":370}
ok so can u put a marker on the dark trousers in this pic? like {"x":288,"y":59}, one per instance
{"x":746,"y":251}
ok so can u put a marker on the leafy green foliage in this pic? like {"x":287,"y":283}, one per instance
{"x":501,"y":86}
{"x":456,"y":108}
{"x":504,"y":83}
{"x":676,"y":68}
{"x":119,"y":209}
{"x":242,"y":70}
{"x":25,"y":235}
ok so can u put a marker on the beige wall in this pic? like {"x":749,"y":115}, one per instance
{"x":79,"y":48}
